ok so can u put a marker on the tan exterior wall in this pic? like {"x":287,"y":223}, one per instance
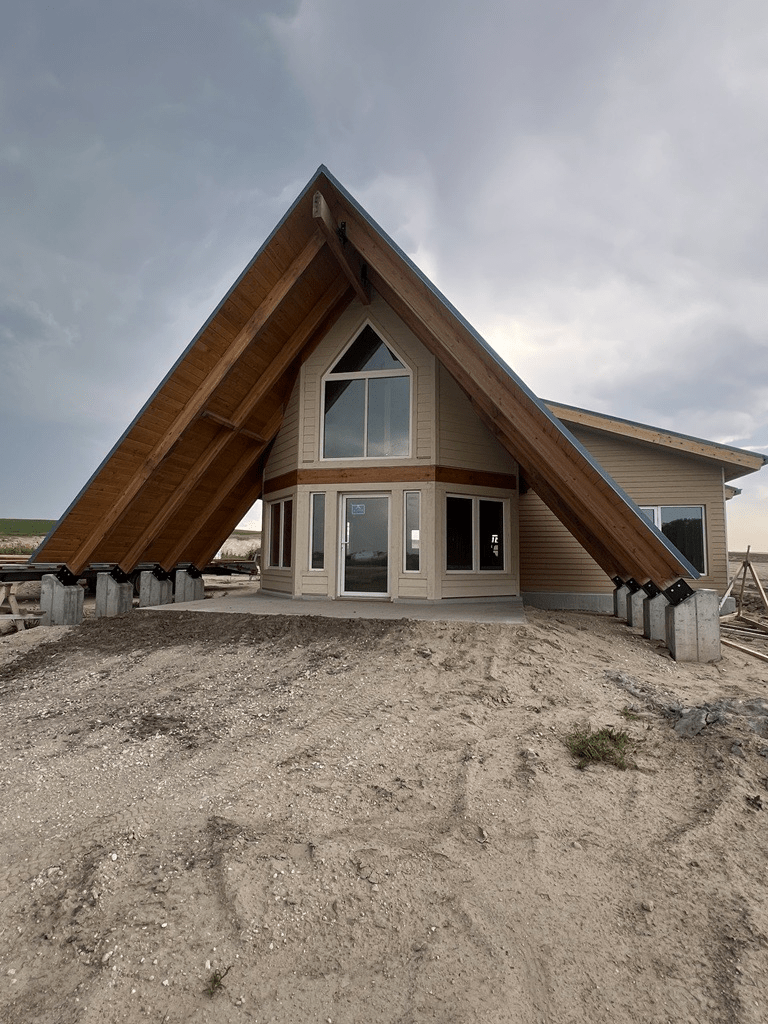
{"x":463,"y":439}
{"x":391,"y":328}
{"x":551,"y":560}
{"x":460,"y":442}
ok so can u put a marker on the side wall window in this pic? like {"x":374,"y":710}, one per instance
{"x":412,"y":518}
{"x":684,"y":526}
{"x":474,"y":534}
{"x":317,"y":531}
{"x":280,"y":533}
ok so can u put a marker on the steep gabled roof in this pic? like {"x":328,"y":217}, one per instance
{"x":734,"y":462}
{"x":189,"y":466}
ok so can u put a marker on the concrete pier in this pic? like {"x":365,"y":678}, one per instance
{"x":635,"y":608}
{"x":153,"y":591}
{"x":654,"y":617}
{"x":693,"y":627}
{"x":112,"y":598}
{"x":61,"y":606}
{"x":188,"y":588}
{"x":620,"y":596}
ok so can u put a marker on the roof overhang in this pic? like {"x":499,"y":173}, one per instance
{"x":735,"y":462}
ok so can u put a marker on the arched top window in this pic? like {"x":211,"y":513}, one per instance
{"x":367,"y":402}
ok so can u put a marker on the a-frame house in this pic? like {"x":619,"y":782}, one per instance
{"x":386,"y":438}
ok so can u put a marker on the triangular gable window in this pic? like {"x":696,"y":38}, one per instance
{"x":367,"y":402}
{"x":367,"y":353}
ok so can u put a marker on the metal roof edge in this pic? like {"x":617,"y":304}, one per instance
{"x":663,"y":430}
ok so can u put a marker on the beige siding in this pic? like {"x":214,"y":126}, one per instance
{"x":410,"y":349}
{"x":463,"y":440}
{"x":284,"y":455}
{"x":479,"y":584}
{"x":551,"y":560}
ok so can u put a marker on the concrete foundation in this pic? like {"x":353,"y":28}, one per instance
{"x":557,"y":600}
{"x":153,"y":591}
{"x":188,"y":588}
{"x":655,"y":617}
{"x":620,"y":596}
{"x":61,"y":606}
{"x":112,"y":598}
{"x":635,"y":608}
{"x":693,"y":627}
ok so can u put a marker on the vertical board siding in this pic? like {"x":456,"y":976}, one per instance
{"x":551,"y":560}
{"x":463,"y":439}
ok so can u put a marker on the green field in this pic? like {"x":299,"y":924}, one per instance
{"x":25,"y":527}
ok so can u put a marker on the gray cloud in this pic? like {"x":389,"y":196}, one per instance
{"x":585,"y":182}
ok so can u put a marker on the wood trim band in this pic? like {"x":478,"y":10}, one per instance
{"x":392,"y":475}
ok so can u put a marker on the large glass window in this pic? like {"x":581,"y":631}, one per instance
{"x":684,"y":526}
{"x":280,"y":533}
{"x":474,"y":534}
{"x":367,"y":403}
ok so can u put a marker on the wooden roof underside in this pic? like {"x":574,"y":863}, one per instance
{"x":190,"y":465}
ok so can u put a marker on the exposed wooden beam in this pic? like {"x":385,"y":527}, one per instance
{"x":231,"y":480}
{"x":347,"y":258}
{"x":203,"y":549}
{"x":224,"y":422}
{"x":274,"y":374}
{"x":197,"y":403}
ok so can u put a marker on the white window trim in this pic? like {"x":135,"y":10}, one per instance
{"x":366,"y":375}
{"x":312,"y":495}
{"x":476,"y":570}
{"x":281,"y":546}
{"x":411,"y":572}
{"x":656,"y":509}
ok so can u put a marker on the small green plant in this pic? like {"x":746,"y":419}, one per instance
{"x":216,"y":981}
{"x":629,"y":714}
{"x":606,"y":744}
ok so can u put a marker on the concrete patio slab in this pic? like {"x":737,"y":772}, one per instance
{"x":249,"y":600}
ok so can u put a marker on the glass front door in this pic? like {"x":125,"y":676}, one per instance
{"x":365,"y":545}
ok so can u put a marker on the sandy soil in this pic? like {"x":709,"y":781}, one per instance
{"x":367,"y":821}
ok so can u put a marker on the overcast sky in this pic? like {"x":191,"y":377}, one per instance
{"x":586,"y":182}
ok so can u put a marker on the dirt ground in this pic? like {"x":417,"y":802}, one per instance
{"x":229,"y":818}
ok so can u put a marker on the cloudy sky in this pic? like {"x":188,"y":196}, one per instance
{"x":586,"y":182}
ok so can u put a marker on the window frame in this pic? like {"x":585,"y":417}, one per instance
{"x":405,"y":532}
{"x":283,"y":548}
{"x":312,"y":514}
{"x":475,"y":500}
{"x":366,"y":376}
{"x":657,"y":522}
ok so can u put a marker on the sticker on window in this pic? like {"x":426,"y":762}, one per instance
{"x":357,"y":510}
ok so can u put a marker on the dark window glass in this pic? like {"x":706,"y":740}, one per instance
{"x":458,"y":521}
{"x":412,"y":530}
{"x":274,"y":534}
{"x":491,"y":515}
{"x":287,"y":532}
{"x":367,"y":352}
{"x":318,"y":531}
{"x":684,"y":526}
{"x":388,"y":416}
{"x":344,"y":419}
